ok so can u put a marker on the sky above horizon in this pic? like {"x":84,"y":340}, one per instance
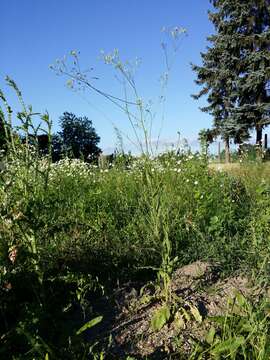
{"x":35,"y":33}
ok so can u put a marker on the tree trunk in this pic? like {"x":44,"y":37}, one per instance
{"x":240,"y":150}
{"x":219,"y":157}
{"x":265,"y":142}
{"x":259,"y":136}
{"x":227,"y":150}
{"x":259,"y":142}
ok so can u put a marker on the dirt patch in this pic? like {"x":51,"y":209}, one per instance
{"x":197,"y":294}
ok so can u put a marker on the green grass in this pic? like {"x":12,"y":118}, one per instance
{"x":79,"y":230}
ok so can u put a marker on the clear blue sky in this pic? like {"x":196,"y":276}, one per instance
{"x":34,"y":33}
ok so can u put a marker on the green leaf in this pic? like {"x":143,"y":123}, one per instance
{"x":214,"y":220}
{"x":241,"y":299}
{"x":196,"y":314}
{"x":160,"y":318}
{"x":229,"y":346}
{"x":179,"y":321}
{"x":185,"y":314}
{"x":89,"y":324}
{"x":218,"y":319}
{"x":210,"y":336}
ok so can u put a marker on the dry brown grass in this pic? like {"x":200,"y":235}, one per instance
{"x":255,"y":170}
{"x":224,"y":167}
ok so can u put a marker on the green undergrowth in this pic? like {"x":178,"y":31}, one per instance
{"x":82,"y":229}
{"x":70,"y":232}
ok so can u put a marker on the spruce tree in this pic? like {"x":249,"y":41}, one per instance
{"x":236,"y":68}
{"x":246,"y":23}
{"x":217,"y":76}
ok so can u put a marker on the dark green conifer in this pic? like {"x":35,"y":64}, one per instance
{"x":235,"y":69}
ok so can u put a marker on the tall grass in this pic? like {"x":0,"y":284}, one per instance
{"x":70,"y":229}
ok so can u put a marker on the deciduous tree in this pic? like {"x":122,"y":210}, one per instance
{"x":78,"y":137}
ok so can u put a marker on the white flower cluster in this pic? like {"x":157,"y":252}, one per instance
{"x":72,"y":168}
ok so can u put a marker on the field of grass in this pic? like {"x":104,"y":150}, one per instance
{"x":238,"y":168}
{"x":73,"y":235}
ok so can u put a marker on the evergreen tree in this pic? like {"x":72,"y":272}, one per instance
{"x":206,"y":137}
{"x":3,"y":139}
{"x":236,"y":68}
{"x":5,"y":133}
{"x":217,"y":76}
{"x":246,"y":24}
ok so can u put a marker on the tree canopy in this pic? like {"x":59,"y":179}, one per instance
{"x":77,"y":137}
{"x":235,"y":68}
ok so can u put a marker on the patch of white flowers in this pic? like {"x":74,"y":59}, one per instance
{"x":72,"y":168}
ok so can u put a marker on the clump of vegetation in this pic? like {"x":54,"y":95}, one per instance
{"x":70,"y":231}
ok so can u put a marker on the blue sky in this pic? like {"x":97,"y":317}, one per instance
{"x":34,"y":33}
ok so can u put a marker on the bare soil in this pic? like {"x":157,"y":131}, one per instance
{"x":128,"y":312}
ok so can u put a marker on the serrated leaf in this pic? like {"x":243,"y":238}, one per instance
{"x":89,"y":324}
{"x":160,"y":318}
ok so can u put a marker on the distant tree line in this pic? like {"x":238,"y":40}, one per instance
{"x":77,"y":138}
{"x":235,"y":71}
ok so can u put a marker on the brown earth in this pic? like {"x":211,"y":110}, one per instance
{"x":198,"y":293}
